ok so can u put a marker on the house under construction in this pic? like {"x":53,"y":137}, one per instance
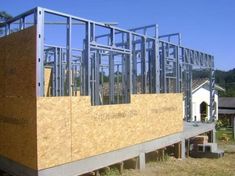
{"x":78,"y":95}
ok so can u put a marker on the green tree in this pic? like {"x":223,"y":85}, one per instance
{"x":226,"y":79}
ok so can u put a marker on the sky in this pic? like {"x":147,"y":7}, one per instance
{"x":205,"y":25}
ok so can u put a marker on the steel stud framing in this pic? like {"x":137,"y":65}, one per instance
{"x":147,"y":64}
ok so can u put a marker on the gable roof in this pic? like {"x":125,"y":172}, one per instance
{"x":198,"y":83}
{"x":227,"y":102}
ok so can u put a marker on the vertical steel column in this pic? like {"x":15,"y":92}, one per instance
{"x":118,"y":85}
{"x":92,"y":37}
{"x":93,"y":58}
{"x":180,"y":50}
{"x":111,"y":69}
{"x":150,"y":68}
{"x":86,"y":62}
{"x":61,"y":82}
{"x":129,"y":72}
{"x":111,"y":78}
{"x":83,"y":81}
{"x":127,"y":77}
{"x":212,"y":90}
{"x":94,"y":92}
{"x":188,"y":101}
{"x":54,"y":73}
{"x":163,"y":67}
{"x":22,"y":23}
{"x":157,"y":63}
{"x":112,"y":37}
{"x":134,"y":69}
{"x":58,"y":71}
{"x":39,"y":21}
{"x":69,"y":58}
{"x":57,"y":66}
{"x":123,"y":77}
{"x":177,"y":69}
{"x":7,"y":29}
{"x":97,"y":78}
{"x":102,"y":85}
{"x":143,"y":65}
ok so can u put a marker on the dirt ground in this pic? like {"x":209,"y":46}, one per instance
{"x":191,"y":167}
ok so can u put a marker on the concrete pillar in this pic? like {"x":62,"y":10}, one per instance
{"x":142,"y":161}
{"x":188,"y":148}
{"x":97,"y":173}
{"x":183,"y":149}
{"x":214,"y":135}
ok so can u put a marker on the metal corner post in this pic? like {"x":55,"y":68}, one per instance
{"x":39,"y":22}
{"x":130,"y":63}
{"x":212,"y":89}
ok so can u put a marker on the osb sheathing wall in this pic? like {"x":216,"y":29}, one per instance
{"x":70,"y":129}
{"x":48,"y":131}
{"x":18,"y":97}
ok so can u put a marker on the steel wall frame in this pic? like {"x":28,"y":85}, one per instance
{"x":183,"y":57}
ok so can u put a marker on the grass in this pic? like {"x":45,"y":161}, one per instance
{"x":111,"y":172}
{"x":190,"y":166}
{"x":225,"y":132}
{"x":194,"y":167}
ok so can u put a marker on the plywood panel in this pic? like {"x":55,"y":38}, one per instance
{"x":106,"y":128}
{"x":18,"y":97}
{"x":19,"y":57}
{"x":18,"y":131}
{"x":54,"y":131}
{"x":99,"y":129}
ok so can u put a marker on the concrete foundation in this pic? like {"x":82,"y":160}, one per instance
{"x":100,"y":161}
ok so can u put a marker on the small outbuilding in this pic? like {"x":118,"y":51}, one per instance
{"x":201,"y":99}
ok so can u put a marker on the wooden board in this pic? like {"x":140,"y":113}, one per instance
{"x":18,"y":140}
{"x":83,"y":130}
{"x":48,"y":81}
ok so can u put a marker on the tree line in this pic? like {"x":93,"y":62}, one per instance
{"x":226,"y":79}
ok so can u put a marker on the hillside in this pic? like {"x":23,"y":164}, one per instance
{"x":226,"y":79}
